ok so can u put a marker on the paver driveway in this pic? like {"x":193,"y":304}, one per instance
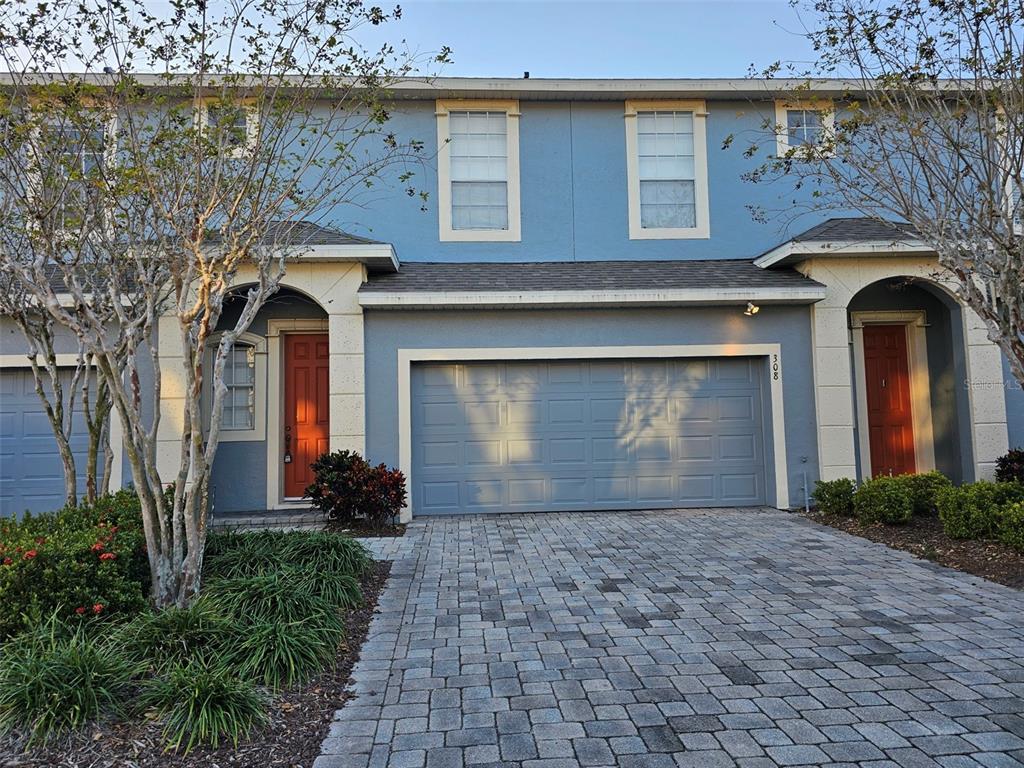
{"x":703,"y":638}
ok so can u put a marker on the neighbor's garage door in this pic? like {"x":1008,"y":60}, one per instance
{"x":601,"y":434}
{"x":31,"y":473}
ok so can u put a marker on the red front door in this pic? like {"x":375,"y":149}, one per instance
{"x":890,"y":422}
{"x":306,"y":408}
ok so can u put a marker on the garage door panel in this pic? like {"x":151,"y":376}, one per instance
{"x":31,"y":472}
{"x":589,"y":434}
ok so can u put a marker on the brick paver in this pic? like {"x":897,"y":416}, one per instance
{"x":705,"y":638}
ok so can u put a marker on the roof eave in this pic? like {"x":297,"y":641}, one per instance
{"x":378,"y":257}
{"x":569,"y":298}
{"x":794,"y":252}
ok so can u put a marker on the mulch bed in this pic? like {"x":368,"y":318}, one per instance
{"x":300,"y":719}
{"x":361,"y":530}
{"x":924,"y":537}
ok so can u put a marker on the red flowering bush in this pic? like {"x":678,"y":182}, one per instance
{"x":348,"y":488}
{"x":83,"y":561}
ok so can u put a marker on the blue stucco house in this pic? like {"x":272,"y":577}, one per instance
{"x":586,"y":315}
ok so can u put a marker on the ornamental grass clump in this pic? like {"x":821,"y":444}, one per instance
{"x":279,"y":655}
{"x":200,"y":703}
{"x":57,"y":677}
{"x":199,"y":632}
{"x":241,"y":554}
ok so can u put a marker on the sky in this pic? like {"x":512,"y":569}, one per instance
{"x":602,"y":38}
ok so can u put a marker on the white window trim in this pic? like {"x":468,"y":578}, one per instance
{"x":110,"y":135}
{"x":828,"y":123}
{"x":444,"y":182}
{"x":915,"y":322}
{"x":770,"y":353}
{"x":700,"y":170}
{"x":251,"y":126}
{"x":258,"y":433}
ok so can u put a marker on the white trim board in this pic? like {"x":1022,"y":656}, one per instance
{"x":772,"y":353}
{"x":669,"y":297}
{"x":915,"y":323}
{"x":840,"y":248}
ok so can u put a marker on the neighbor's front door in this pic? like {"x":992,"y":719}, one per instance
{"x":890,"y":420}
{"x":306,"y":405}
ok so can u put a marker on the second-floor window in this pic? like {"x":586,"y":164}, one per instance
{"x":667,"y":169}
{"x":478,"y":170}
{"x":803,"y":128}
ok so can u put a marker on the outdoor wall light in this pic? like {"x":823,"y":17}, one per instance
{"x":752,"y":309}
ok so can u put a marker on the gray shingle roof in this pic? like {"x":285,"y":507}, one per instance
{"x":309,"y":233}
{"x":583,"y":276}
{"x":858,"y":229}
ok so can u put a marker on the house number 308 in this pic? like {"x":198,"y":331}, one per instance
{"x":776,"y":373}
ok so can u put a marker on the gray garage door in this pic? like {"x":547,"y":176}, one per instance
{"x":31,"y":474}
{"x":537,"y":436}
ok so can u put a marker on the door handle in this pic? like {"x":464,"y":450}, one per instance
{"x":288,"y":445}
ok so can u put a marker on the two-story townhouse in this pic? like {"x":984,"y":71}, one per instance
{"x":587,"y":316}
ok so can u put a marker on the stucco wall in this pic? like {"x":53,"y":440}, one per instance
{"x":573,"y":190}
{"x":387,"y":332}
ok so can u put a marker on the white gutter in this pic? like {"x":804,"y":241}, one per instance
{"x":668,"y":297}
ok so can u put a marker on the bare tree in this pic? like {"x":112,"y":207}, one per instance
{"x":930,"y":132}
{"x":256,"y":121}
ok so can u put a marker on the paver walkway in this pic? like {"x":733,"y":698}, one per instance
{"x":703,"y":638}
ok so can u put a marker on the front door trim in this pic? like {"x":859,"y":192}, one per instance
{"x":916,"y":323}
{"x":275,"y":404}
{"x":771,"y":352}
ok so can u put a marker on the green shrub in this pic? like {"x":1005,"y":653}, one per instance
{"x":834,"y":497}
{"x":1010,"y":466}
{"x":55,"y":678}
{"x":86,"y":562}
{"x":348,"y":488}
{"x":178,"y":635}
{"x":924,"y":489}
{"x":278,"y":654}
{"x":1011,"y":528}
{"x":974,"y":510}
{"x":241,"y":554}
{"x":203,"y":704}
{"x":271,"y":598}
{"x":883,"y":499}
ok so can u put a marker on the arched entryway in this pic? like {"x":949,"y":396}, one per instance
{"x":277,"y":411}
{"x":912,"y":413}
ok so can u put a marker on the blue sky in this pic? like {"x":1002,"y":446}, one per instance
{"x":602,"y":38}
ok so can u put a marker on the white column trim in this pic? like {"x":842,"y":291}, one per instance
{"x":915,"y":323}
{"x":771,"y":352}
{"x":275,"y":402}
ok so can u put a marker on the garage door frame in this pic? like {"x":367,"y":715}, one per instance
{"x":771,"y":353}
{"x":70,"y":360}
